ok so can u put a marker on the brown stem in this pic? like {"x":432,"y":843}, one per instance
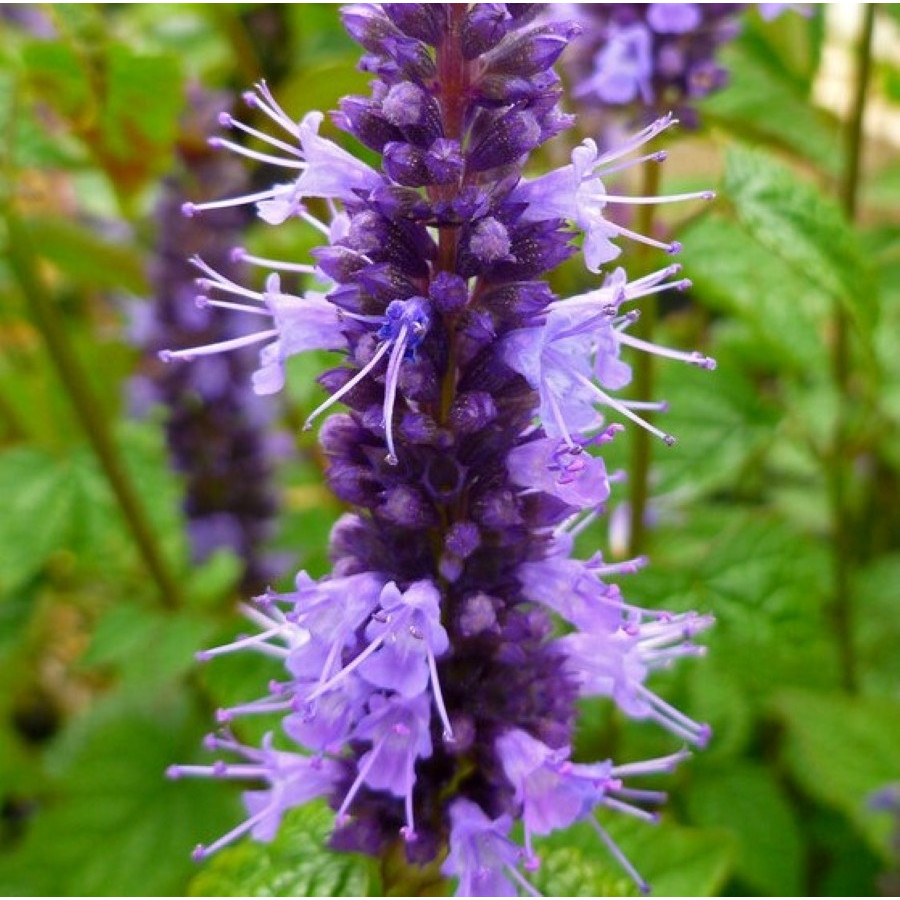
{"x":22,"y":261}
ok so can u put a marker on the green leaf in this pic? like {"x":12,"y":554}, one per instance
{"x":735,"y":273}
{"x":86,"y":258}
{"x":295,"y":864}
{"x":37,"y":512}
{"x":134,"y":641}
{"x":877,"y":623}
{"x":841,"y":750}
{"x":747,"y":800}
{"x":761,"y":71}
{"x":765,"y":584}
{"x":674,"y":860}
{"x":57,"y":74}
{"x":115,"y":825}
{"x":137,"y":125}
{"x":796,"y":224}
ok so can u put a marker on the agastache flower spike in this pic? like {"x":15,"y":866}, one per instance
{"x":425,"y":675}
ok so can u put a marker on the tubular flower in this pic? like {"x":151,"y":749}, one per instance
{"x":426,"y":680}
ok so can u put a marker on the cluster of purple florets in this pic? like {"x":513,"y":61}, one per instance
{"x":652,"y":58}
{"x":431,"y":679}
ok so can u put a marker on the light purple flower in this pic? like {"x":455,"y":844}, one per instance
{"x":568,"y":473}
{"x":481,"y":855}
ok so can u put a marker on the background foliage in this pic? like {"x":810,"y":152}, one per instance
{"x":777,"y":510}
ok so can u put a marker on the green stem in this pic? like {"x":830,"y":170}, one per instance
{"x":644,"y":371}
{"x":22,"y":261}
{"x":843,"y":529}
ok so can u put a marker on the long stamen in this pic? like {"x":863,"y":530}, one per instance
{"x":264,"y":101}
{"x":619,"y":856}
{"x":220,"y":347}
{"x":189,"y":209}
{"x":226,"y":120}
{"x":360,"y":375}
{"x":665,"y":198}
{"x":241,"y":150}
{"x":343,"y":673}
{"x":239,"y":254}
{"x":360,"y":778}
{"x":625,"y":411}
{"x":203,"y":302}
{"x":439,"y":698}
{"x":390,"y":392}
{"x":694,"y":358}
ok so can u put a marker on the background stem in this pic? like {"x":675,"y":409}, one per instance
{"x":22,"y":261}
{"x":842,"y":525}
{"x":643,"y":367}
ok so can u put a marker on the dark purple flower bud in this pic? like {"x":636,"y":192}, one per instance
{"x":419,"y":381}
{"x":418,"y":428}
{"x":462,"y":539}
{"x":398,"y":202}
{"x":444,"y":161}
{"x":518,"y":301}
{"x":414,"y":112}
{"x":368,"y":25}
{"x":424,"y":21}
{"x":384,"y":282}
{"x":478,"y":615}
{"x":352,"y":483}
{"x":532,"y":52}
{"x":471,"y":411}
{"x":369,"y":231}
{"x":508,"y":139}
{"x":406,"y":164}
{"x":498,"y":509}
{"x":338,"y":263}
{"x":449,"y":292}
{"x":407,"y":507}
{"x":412,"y":57}
{"x":489,"y":241}
{"x":443,"y":478}
{"x":362,"y":118}
{"x":340,"y":435}
{"x":484,"y":27}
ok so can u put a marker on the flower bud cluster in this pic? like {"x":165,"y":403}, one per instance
{"x":432,"y":678}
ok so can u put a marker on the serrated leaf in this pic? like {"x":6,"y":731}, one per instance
{"x":748,"y":801}
{"x":295,"y":864}
{"x":842,"y":750}
{"x":674,"y":860}
{"x":737,"y":274}
{"x":802,"y":228}
{"x":37,"y":515}
{"x":115,"y":826}
{"x":760,"y":71}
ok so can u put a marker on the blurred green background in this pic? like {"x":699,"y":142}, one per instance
{"x":777,"y":511}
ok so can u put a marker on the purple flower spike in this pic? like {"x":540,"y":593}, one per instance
{"x":425,"y":681}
